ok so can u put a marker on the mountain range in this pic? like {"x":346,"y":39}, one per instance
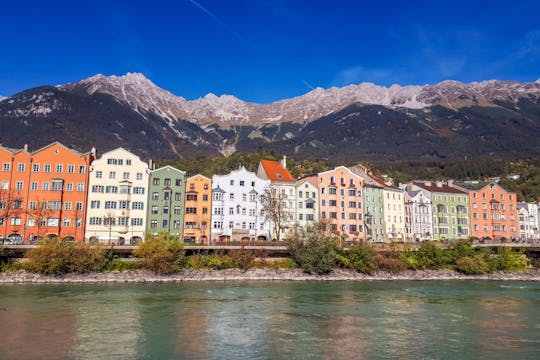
{"x":356,"y":122}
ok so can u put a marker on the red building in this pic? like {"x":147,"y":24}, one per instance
{"x":43,"y":193}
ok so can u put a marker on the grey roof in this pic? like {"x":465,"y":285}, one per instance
{"x":253,"y":192}
{"x":218,"y":190}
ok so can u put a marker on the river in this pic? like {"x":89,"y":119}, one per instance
{"x":272,"y":320}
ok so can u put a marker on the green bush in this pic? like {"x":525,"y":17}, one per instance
{"x":428,"y":256}
{"x":472,"y":265}
{"x":507,"y":259}
{"x":242,"y":259}
{"x":161,"y":255}
{"x":360,"y":257}
{"x":122,"y":265}
{"x":312,"y":250}
{"x":56,"y":257}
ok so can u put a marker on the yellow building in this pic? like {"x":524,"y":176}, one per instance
{"x":197,"y":212}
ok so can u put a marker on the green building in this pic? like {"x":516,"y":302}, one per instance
{"x":450,"y":208}
{"x":166,"y":199}
{"x":374,"y":213}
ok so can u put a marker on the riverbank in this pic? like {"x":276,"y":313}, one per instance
{"x":143,"y":276}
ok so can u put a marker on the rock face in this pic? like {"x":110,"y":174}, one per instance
{"x":355,"y":122}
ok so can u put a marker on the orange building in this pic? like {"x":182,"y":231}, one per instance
{"x":198,"y":206}
{"x":340,"y":203}
{"x":43,"y":193}
{"x":493,"y":210}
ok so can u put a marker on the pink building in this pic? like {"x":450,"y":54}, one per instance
{"x":340,"y":203}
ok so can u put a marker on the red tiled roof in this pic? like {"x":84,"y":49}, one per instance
{"x":310,"y":179}
{"x":275,"y":172}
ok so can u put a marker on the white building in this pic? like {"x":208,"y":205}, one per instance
{"x":117,"y":197}
{"x":418,"y":216}
{"x":283,"y":187}
{"x":307,"y":197}
{"x":528,"y":221}
{"x":236,"y":207}
{"x":394,"y":213}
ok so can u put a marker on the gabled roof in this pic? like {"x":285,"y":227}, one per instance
{"x":276,"y":172}
{"x":218,"y":190}
{"x":310,"y":179}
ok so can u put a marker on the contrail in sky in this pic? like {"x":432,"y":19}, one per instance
{"x":308,"y":84}
{"x":218,"y":20}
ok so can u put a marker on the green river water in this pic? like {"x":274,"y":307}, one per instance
{"x":272,"y":320}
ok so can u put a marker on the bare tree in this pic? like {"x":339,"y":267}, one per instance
{"x":40,"y":212}
{"x":10,"y":206}
{"x":275,"y":210}
{"x":109,"y":220}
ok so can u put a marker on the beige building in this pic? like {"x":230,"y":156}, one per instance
{"x":117,"y":198}
{"x":307,"y":201}
{"x":394,"y":213}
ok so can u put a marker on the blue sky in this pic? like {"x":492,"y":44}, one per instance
{"x":266,"y":50}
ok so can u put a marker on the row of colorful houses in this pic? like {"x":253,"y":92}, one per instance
{"x":117,"y":197}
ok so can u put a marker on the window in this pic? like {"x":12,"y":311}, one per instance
{"x":137,"y":205}
{"x":153,"y":224}
{"x":20,"y":167}
{"x":191,"y":210}
{"x":191,"y":225}
{"x":191,"y":197}
{"x":97,"y":188}
{"x":167,"y":182}
{"x":69,"y":187}
{"x":35,"y":167}
{"x":67,"y":222}
{"x":139,"y":176}
{"x":125,"y":176}
{"x":71,"y":169}
{"x":95,"y":221}
{"x":128,"y":162}
{"x":59,"y":168}
{"x":123,"y":221}
{"x":19,"y":185}
{"x":67,"y":205}
{"x":99,"y":174}
{"x":79,"y":206}
{"x":110,"y":204}
{"x":32,"y":205}
{"x":5,"y":167}
{"x":94,"y":204}
{"x":231,"y":182}
{"x":82,"y":169}
{"x":136,"y":221}
{"x":332,"y":191}
{"x":124,"y":204}
{"x":47,"y":168}
{"x":54,"y":205}
{"x":112,"y":174}
{"x":125,"y":189}
{"x":138,"y":190}
{"x":242,"y":183}
{"x":177,"y":210}
{"x":111,"y":189}
{"x":178,"y":182}
{"x":155,"y":181}
{"x":34,"y":185}
{"x":57,"y":185}
{"x":155,"y":196}
{"x":80,"y":187}
{"x":231,"y":196}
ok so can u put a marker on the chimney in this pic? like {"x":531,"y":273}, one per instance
{"x":427,"y":183}
{"x":450,"y":182}
{"x":93,"y":151}
{"x":284,"y":161}
{"x":150,"y":165}
{"x":25,"y":147}
{"x":439,"y":184}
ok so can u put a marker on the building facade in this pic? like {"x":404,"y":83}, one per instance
{"x":282,"y":191}
{"x":341,"y":203}
{"x":43,"y":193}
{"x":307,"y":197}
{"x":394,"y":213}
{"x":528,"y":221}
{"x":198,"y":203}
{"x":117,"y":198}
{"x":418,"y":216}
{"x":166,"y":201}
{"x":450,"y":209}
{"x":492,"y":210}
{"x":237,"y":212}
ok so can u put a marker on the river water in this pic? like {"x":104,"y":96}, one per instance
{"x":272,"y":320}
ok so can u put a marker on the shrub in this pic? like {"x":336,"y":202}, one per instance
{"x":428,"y":256}
{"x":506,"y":259}
{"x":122,"y":265}
{"x":388,"y":263}
{"x":360,"y":257}
{"x":472,"y":265}
{"x":161,"y":255}
{"x":314,"y":252}
{"x":56,"y":257}
{"x":242,"y":259}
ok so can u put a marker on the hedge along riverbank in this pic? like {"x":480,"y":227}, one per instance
{"x":311,"y":250}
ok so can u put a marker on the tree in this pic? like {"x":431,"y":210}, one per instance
{"x":10,"y":206}
{"x":275,"y":210}
{"x":40,"y":212}
{"x":312,"y":250}
{"x":109,"y":220}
